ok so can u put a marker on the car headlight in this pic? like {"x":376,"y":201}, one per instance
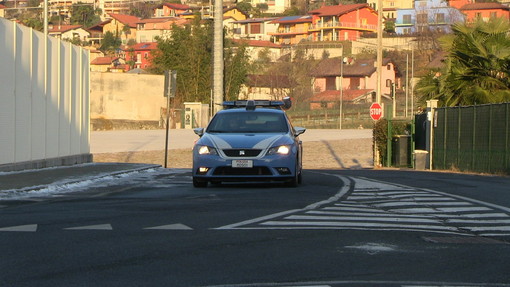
{"x":207,"y":150}
{"x":283,"y":149}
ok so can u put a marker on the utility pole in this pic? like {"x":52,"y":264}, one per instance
{"x":218,"y":56}
{"x":379,"y":49}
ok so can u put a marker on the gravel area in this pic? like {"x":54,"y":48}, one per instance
{"x":317,"y":154}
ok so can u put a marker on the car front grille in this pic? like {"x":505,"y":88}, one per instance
{"x":242,"y":152}
{"x":256,"y":170}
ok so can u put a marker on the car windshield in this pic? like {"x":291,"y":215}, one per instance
{"x":248,"y":122}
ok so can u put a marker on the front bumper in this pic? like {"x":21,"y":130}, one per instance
{"x":270,"y":168}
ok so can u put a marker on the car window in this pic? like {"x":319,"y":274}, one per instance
{"x":253,"y":122}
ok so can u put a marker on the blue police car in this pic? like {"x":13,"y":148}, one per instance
{"x":248,"y":141}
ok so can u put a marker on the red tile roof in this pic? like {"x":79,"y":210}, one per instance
{"x":337,"y":9}
{"x":126,"y":19}
{"x":2,"y":6}
{"x":63,"y":28}
{"x":176,"y":6}
{"x":104,"y":60}
{"x":334,"y":95}
{"x":483,"y":6}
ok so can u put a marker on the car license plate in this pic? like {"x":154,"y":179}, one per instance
{"x":242,"y":163}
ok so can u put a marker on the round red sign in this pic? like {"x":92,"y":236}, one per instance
{"x":375,"y":111}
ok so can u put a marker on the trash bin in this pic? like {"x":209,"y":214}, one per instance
{"x":420,"y":159}
{"x":401,"y":148}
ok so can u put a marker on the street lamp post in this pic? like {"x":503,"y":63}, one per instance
{"x":341,"y":86}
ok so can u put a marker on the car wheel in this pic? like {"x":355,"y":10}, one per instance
{"x":294,"y":182}
{"x":199,"y":183}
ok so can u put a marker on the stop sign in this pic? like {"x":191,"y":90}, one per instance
{"x":375,"y":111}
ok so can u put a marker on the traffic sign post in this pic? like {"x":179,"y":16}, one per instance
{"x":376,"y":111}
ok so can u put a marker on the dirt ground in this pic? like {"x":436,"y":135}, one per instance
{"x":344,"y":154}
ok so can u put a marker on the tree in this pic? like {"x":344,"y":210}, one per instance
{"x":477,"y":69}
{"x":245,"y":7}
{"x":110,"y":43}
{"x":236,"y":69}
{"x":189,"y":52}
{"x":84,"y":14}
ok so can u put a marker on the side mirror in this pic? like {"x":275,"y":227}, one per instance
{"x":199,"y":131}
{"x":298,"y":131}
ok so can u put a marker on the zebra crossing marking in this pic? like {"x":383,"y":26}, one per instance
{"x":366,"y":204}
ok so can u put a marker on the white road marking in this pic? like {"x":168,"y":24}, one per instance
{"x":177,"y":226}
{"x":20,"y":228}
{"x":92,"y":227}
{"x":375,"y":205}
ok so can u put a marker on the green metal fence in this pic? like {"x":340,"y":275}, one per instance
{"x":474,"y":138}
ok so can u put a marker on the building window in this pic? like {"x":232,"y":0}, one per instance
{"x":406,"y":19}
{"x":494,"y":14}
{"x":440,"y":18}
{"x":422,"y":18}
{"x":388,"y":83}
{"x":388,"y":67}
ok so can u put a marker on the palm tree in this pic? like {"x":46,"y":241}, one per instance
{"x":477,"y":69}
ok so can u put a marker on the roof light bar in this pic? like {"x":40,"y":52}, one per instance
{"x":251,"y":104}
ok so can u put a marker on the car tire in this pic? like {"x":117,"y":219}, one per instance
{"x":294,"y":182}
{"x":199,"y":183}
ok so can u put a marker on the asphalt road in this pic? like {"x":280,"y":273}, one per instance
{"x":340,"y":228}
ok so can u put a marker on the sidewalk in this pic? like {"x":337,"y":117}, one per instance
{"x":37,"y":179}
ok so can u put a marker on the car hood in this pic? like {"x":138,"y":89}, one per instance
{"x":247,"y":141}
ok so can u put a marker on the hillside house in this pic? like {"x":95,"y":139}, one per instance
{"x":255,"y":48}
{"x":427,"y":15}
{"x":2,"y":11}
{"x":253,"y":29}
{"x":139,"y":55}
{"x":172,"y":10}
{"x":291,"y":29}
{"x":356,"y":78}
{"x":106,"y":64}
{"x":342,"y":22}
{"x":266,"y":87}
{"x":122,"y":25}
{"x":485,"y":11}
{"x":149,"y":29}
{"x":273,"y":6}
{"x":390,"y":7}
{"x":68,"y":32}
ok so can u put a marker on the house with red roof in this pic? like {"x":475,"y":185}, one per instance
{"x":292,"y":29}
{"x":343,"y":22}
{"x":357,"y":79}
{"x":172,"y":10}
{"x":149,"y":29}
{"x":485,"y":11}
{"x":68,"y":32}
{"x":106,"y":64}
{"x":123,"y":26}
{"x":140,"y":55}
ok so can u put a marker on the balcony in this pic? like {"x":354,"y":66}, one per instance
{"x":343,"y":26}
